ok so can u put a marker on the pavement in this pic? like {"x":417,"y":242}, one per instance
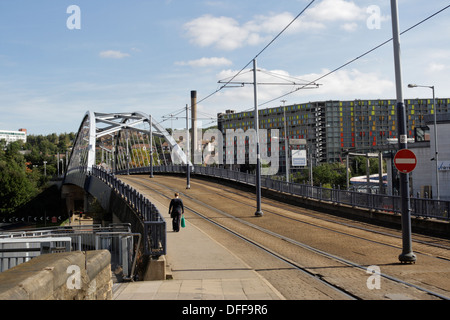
{"x":201,"y":269}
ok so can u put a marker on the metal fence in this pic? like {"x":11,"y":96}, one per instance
{"x":426,"y":208}
{"x":154,"y":225}
{"x":14,"y":251}
{"x":21,"y":246}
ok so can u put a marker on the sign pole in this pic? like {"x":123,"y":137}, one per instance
{"x":407,"y":256}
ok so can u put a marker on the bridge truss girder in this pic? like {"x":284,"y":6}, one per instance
{"x":117,"y":141}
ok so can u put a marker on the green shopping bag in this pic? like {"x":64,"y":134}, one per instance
{"x":183,"y":223}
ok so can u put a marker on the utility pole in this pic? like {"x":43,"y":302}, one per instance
{"x":286,"y":145}
{"x":151,"y":147}
{"x":188,"y":169}
{"x":258,"y":212}
{"x":407,"y":256}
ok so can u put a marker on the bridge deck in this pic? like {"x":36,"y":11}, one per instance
{"x":208,"y":262}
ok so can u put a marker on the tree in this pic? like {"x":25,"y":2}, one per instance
{"x":16,"y":187}
{"x":330,"y":174}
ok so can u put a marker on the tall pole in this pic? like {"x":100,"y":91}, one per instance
{"x":436,"y":156}
{"x":194,"y":143}
{"x":151,"y":148}
{"x":258,"y":212}
{"x":407,"y":256}
{"x":128,"y":154}
{"x":286,"y":141}
{"x":380,"y":173}
{"x":188,"y":169}
{"x":347,"y":174}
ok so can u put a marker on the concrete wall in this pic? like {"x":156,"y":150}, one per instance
{"x":60,"y":276}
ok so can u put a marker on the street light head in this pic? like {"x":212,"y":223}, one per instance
{"x":412,"y":85}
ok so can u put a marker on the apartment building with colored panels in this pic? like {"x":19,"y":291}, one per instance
{"x":330,"y":128}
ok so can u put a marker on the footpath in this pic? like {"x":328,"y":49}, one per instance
{"x":201,"y":269}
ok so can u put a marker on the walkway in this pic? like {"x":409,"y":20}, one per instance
{"x":202,"y":269}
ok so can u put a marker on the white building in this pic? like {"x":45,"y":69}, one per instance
{"x":443,"y":164}
{"x":12,"y":136}
{"x":423,"y":178}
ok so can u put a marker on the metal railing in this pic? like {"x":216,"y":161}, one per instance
{"x":153,"y":223}
{"x":21,"y":246}
{"x":17,"y":250}
{"x":426,"y":208}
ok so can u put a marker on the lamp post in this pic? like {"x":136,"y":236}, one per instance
{"x":436,"y":155}
{"x":286,"y":146}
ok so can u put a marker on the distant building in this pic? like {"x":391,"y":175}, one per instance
{"x":12,"y":136}
{"x":332,"y":128}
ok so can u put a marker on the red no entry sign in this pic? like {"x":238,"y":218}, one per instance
{"x":405,"y":161}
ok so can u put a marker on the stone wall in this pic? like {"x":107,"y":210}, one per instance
{"x":60,"y":276}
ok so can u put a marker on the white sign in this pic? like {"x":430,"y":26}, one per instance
{"x":444,"y":165}
{"x":299,"y":158}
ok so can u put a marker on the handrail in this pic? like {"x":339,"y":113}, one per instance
{"x":154,"y":237}
{"x":425,"y":208}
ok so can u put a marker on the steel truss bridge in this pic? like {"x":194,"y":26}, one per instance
{"x":119,"y":141}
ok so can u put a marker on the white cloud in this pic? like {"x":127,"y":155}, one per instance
{"x":336,"y":10}
{"x":226,"y":33}
{"x":343,"y":84}
{"x":112,"y":54}
{"x":206,"y":62}
{"x":436,"y":67}
{"x":222,"y":32}
{"x":352,"y":26}
{"x":349,"y":84}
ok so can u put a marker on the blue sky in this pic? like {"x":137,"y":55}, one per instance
{"x":147,"y":55}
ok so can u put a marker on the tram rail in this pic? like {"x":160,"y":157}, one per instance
{"x":216,"y":217}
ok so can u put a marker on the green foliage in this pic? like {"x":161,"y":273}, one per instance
{"x":334,"y":174}
{"x":16,"y":186}
{"x":22,"y":167}
{"x":330,"y":174}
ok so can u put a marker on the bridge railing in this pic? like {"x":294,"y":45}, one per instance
{"x":20,"y":246}
{"x":426,"y":208}
{"x":154,"y":225}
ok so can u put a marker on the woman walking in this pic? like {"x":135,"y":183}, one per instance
{"x":176,"y":209}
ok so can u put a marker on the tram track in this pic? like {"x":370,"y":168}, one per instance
{"x":351,"y":225}
{"x":337,"y":221}
{"x":270,"y":236}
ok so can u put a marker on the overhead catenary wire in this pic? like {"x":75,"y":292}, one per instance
{"x":259,"y":53}
{"x":357,"y":58}
{"x":321,"y":77}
